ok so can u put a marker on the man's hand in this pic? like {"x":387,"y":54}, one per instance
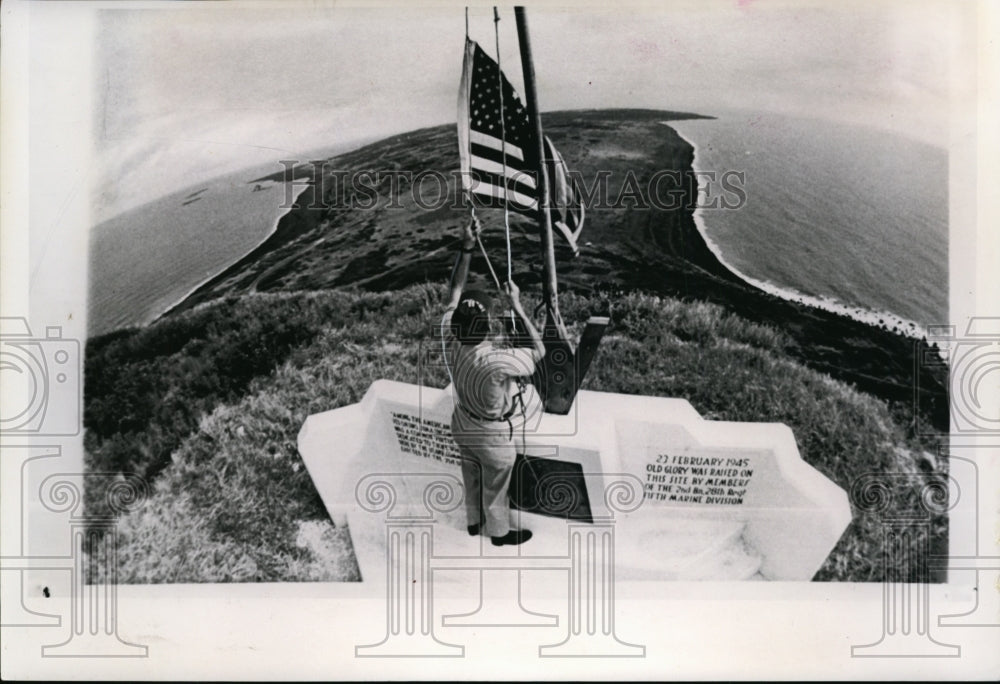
{"x":471,"y":233}
{"x":514,"y":292}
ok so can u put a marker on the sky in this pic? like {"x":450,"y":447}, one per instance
{"x":188,"y":93}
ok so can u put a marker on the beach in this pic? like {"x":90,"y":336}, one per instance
{"x":150,"y":258}
{"x":843,"y":218}
{"x":830,"y":304}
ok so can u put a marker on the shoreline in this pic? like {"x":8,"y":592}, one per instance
{"x":225,"y":267}
{"x":876,"y":319}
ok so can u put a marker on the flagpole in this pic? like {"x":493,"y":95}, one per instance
{"x":545,"y":223}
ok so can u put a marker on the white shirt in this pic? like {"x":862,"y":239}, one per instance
{"x":484,"y":374}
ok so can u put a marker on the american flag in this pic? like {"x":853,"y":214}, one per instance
{"x":497,"y":161}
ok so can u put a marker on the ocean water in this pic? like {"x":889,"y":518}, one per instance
{"x":851,"y":219}
{"x":149,"y":258}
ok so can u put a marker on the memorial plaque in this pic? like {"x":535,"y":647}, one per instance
{"x":425,"y":438}
{"x":711,"y":476}
{"x":549,"y":486}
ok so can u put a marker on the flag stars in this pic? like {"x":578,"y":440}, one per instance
{"x":495,"y":105}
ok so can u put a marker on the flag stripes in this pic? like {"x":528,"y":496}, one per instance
{"x":498,"y":159}
{"x":489,"y":145}
{"x":494,"y":163}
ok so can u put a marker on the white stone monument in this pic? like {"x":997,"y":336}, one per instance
{"x":688,"y":498}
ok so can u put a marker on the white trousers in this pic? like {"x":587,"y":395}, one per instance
{"x":488,"y":450}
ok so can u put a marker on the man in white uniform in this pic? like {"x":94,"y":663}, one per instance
{"x":485,"y":377}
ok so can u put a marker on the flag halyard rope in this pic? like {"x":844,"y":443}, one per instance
{"x":503,"y":136}
{"x":503,"y":156}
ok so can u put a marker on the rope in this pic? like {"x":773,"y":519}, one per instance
{"x":503,"y":137}
{"x":503,"y":157}
{"x":466,"y":23}
{"x":486,"y":256}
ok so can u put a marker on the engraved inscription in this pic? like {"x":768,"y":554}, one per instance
{"x":697,"y":479}
{"x":427,"y":438}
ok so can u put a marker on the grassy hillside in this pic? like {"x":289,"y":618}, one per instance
{"x":207,"y":403}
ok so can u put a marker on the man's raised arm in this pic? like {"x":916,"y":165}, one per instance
{"x":515,"y":303}
{"x":460,"y":274}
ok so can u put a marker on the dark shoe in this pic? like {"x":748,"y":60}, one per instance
{"x":474,"y":530}
{"x":512,"y":538}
